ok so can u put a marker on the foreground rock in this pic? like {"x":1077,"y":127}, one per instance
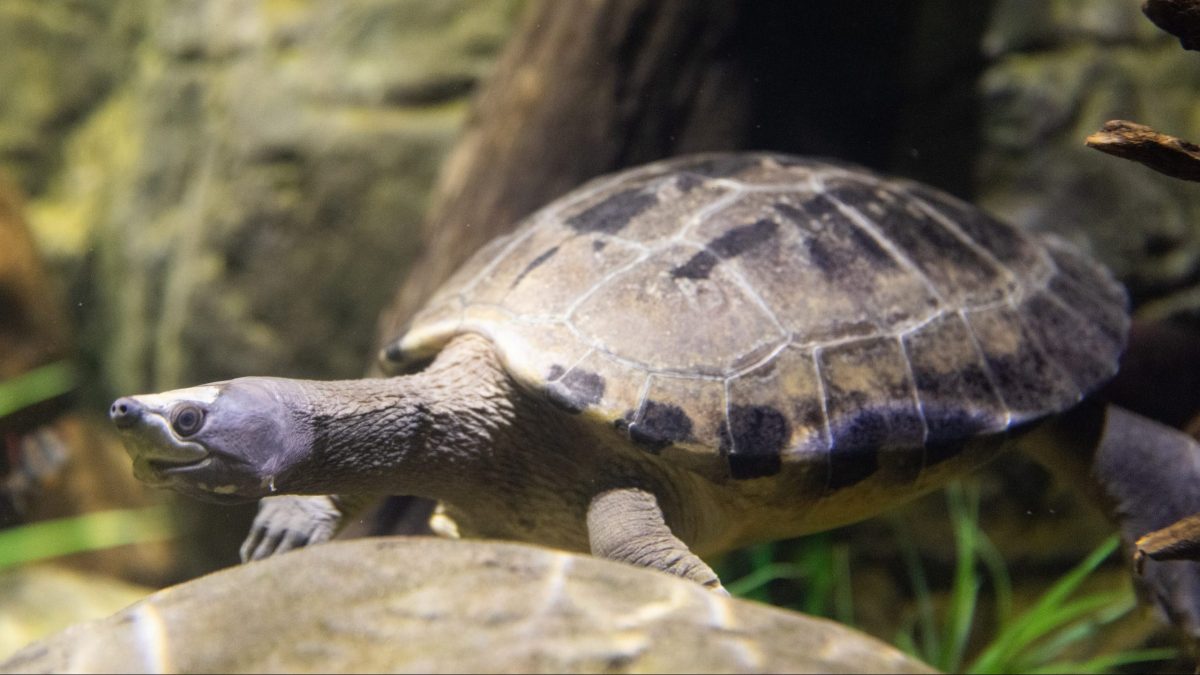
{"x":37,"y":600}
{"x":429,"y":605}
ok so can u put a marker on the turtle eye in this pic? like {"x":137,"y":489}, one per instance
{"x":187,"y":420}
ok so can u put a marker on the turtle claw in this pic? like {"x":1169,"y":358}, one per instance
{"x":289,"y":522}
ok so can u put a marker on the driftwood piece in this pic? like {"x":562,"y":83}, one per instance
{"x":1166,"y":154}
{"x":1180,"y":18}
{"x":1178,"y":541}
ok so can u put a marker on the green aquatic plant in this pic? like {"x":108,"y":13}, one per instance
{"x":87,"y":532}
{"x":1039,"y":639}
{"x":821,"y":568}
{"x":40,"y":384}
{"x":1036,"y":640}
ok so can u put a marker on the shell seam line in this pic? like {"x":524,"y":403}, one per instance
{"x":916,"y":395}
{"x":823,"y":395}
{"x":864,"y":224}
{"x":987,"y":368}
{"x":1036,"y":342}
{"x":956,"y":231}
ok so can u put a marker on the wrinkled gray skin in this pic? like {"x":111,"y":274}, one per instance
{"x":508,"y":465}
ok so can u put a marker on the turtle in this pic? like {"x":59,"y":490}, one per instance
{"x":687,"y":357}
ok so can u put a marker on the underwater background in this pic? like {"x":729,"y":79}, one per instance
{"x":196,"y":190}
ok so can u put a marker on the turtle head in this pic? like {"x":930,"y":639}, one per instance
{"x":225,"y":442}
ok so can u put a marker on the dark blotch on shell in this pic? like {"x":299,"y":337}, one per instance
{"x":731,"y":244}
{"x":534,"y":264}
{"x":836,"y":252}
{"x":698,"y":266}
{"x":1085,"y":355}
{"x":757,"y":436}
{"x":613,"y":214}
{"x":660,"y":426}
{"x":576,"y":390}
{"x":743,"y":238}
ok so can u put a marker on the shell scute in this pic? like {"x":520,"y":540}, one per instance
{"x":608,"y":386}
{"x":1016,"y":250}
{"x":955,"y":392}
{"x":870,"y":396}
{"x":1026,"y":379}
{"x":788,"y":382}
{"x":650,"y":210}
{"x":657,"y":421}
{"x":956,"y":270}
{"x":1071,"y":340}
{"x":526,"y":344}
{"x":852,"y":286}
{"x":557,"y":269}
{"x":1078,"y":283}
{"x":672,"y":322}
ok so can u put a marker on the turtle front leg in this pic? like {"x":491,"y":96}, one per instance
{"x":628,"y":525}
{"x":287,"y":522}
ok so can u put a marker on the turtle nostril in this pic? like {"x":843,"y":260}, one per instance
{"x":125,"y":412}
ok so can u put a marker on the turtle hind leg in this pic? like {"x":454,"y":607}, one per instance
{"x":627,"y":524}
{"x":1146,"y":476}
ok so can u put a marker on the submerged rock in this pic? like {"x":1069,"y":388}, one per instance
{"x":38,"y":600}
{"x":429,"y":605}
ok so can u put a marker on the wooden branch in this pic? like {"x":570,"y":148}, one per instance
{"x":1166,"y":154}
{"x":1180,"y":18}
{"x":1178,"y":541}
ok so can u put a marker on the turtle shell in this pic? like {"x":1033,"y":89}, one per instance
{"x":761,"y":309}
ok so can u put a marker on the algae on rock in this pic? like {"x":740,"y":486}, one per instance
{"x":243,"y":196}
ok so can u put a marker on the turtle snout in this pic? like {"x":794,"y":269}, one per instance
{"x":125,"y":412}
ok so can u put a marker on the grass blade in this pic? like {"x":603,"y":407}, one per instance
{"x":761,"y":576}
{"x":1046,"y":613}
{"x":964,"y":594}
{"x":930,"y":644}
{"x":89,"y":532}
{"x":842,"y":588}
{"x":1109,"y":662}
{"x":39,"y":384}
